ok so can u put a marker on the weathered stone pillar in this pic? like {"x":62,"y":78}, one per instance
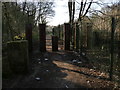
{"x":54,"y":43}
{"x":42,"y":37}
{"x":29,"y":36}
{"x":18,"y":56}
{"x":67,"y":36}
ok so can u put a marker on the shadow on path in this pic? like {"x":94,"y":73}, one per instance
{"x":56,"y":70}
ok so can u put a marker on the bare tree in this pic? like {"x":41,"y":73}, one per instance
{"x":39,"y":11}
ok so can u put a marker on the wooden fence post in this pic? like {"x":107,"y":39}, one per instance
{"x":73,"y":36}
{"x":119,"y":49}
{"x":112,"y":47}
{"x":77,"y":37}
{"x":53,"y":31}
{"x":59,"y":31}
{"x":42,"y":37}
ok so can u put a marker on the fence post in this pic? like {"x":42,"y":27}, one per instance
{"x":77,"y":37}
{"x":53,"y":31}
{"x":112,"y":47}
{"x":59,"y":31}
{"x":42,"y":37}
{"x":54,"y":43}
{"x":119,"y":49}
{"x":73,"y":36}
{"x":67,"y":36}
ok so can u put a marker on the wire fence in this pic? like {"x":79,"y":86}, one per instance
{"x":95,"y":43}
{"x":93,"y":40}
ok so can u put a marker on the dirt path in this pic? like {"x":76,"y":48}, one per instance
{"x":60,"y":70}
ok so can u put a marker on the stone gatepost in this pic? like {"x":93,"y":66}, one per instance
{"x":42,"y":37}
{"x":54,"y":43}
{"x":18,"y":56}
{"x":67,"y":36}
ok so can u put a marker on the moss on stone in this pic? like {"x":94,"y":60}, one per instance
{"x":6,"y":71}
{"x":18,"y":56}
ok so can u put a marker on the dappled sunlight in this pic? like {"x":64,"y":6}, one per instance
{"x":86,"y":81}
{"x":65,"y":65}
{"x":83,"y":76}
{"x":80,"y":69}
{"x":61,"y":44}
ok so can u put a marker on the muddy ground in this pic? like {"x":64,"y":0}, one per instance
{"x":62,"y":69}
